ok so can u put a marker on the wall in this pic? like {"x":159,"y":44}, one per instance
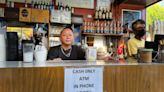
{"x":116,"y":13}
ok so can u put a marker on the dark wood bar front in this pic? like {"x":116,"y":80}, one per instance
{"x":116,"y":78}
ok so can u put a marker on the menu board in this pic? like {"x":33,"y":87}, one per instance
{"x":2,"y":1}
{"x":78,"y":3}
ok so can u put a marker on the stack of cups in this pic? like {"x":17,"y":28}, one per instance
{"x":40,"y":54}
{"x":2,"y":48}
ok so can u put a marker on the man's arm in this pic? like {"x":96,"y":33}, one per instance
{"x":81,"y":53}
{"x":52,"y":53}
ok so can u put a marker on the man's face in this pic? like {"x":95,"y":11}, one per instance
{"x":67,"y":37}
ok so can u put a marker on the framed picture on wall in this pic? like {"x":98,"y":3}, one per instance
{"x":129,"y":16}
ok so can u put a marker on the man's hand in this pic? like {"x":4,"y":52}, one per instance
{"x":55,"y":60}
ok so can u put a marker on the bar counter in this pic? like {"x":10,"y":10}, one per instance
{"x":49,"y":77}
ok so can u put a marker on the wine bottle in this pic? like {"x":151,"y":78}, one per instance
{"x":100,"y":13}
{"x":66,"y":8}
{"x":110,"y":13}
{"x":39,"y":5}
{"x":61,"y":6}
{"x":32,"y":4}
{"x":96,"y":14}
{"x":98,"y":27}
{"x":107,"y":13}
{"x":103,"y":13}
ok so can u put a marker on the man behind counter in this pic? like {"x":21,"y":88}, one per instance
{"x":138,"y":28}
{"x":66,"y":51}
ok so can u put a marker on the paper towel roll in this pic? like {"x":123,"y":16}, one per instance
{"x":2,"y":48}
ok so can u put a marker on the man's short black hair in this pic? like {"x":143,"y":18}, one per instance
{"x":139,"y":21}
{"x":66,"y":28}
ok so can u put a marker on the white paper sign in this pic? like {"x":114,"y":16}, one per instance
{"x":78,"y":3}
{"x":83,"y":79}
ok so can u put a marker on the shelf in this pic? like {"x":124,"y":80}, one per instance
{"x":101,"y":34}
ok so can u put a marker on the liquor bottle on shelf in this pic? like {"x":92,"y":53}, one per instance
{"x":26,"y":5}
{"x":47,"y":6}
{"x":98,"y":27}
{"x":102,"y":27}
{"x":61,"y":6}
{"x":111,"y":27}
{"x":107,"y":14}
{"x":85,"y":27}
{"x":44,"y":5}
{"x":109,"y":23}
{"x":91,"y":27}
{"x":32,"y":4}
{"x":39,"y":5}
{"x":35,"y":5}
{"x":105,"y":27}
{"x":58,"y":6}
{"x":96,"y":13}
{"x":103,"y":13}
{"x":12,"y":4}
{"x":99,"y":13}
{"x":110,"y":12}
{"x":115,"y":27}
{"x":67,"y":8}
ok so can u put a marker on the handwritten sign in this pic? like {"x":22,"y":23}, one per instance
{"x":83,"y":79}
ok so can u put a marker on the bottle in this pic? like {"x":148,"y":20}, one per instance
{"x":47,"y":6}
{"x":99,"y":13}
{"x":61,"y":7}
{"x":26,"y":5}
{"x":98,"y":27}
{"x":103,"y":13}
{"x":85,"y":27}
{"x":58,"y":6}
{"x":102,"y":27}
{"x":115,"y":27}
{"x":44,"y":5}
{"x":35,"y":5}
{"x":32,"y":4}
{"x":39,"y":5}
{"x":8,"y":3}
{"x":111,"y":27}
{"x":96,"y":14}
{"x":107,"y":14}
{"x":12,"y":4}
{"x":105,"y":27}
{"x":66,"y":8}
{"x":110,"y":13}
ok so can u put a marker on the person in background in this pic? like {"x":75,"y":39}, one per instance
{"x":66,"y":51}
{"x":138,"y":41}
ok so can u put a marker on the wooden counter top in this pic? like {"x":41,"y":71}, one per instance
{"x":50,"y":78}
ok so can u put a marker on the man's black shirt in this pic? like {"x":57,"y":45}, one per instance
{"x":77,"y":53}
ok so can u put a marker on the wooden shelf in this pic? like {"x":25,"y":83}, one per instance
{"x":101,"y":34}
